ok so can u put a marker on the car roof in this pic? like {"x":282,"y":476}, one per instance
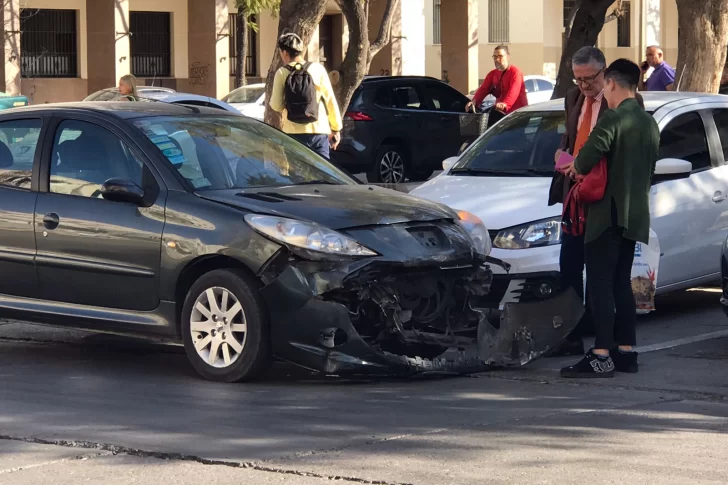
{"x":119,"y":109}
{"x":653,"y":100}
{"x":368,"y":79}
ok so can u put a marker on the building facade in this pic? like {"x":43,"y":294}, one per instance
{"x":63,"y":50}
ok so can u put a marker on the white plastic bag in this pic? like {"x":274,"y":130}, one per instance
{"x":644,"y":274}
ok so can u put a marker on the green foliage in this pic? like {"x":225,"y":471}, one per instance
{"x":255,"y":7}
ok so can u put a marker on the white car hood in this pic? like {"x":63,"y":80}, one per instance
{"x":500,"y":202}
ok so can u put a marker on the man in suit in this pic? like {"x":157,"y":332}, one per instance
{"x":629,"y":139}
{"x":584,"y":105}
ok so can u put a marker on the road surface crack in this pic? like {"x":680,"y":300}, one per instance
{"x":86,"y":456}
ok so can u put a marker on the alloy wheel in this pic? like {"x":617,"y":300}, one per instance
{"x":391,"y":168}
{"x":218,"y":327}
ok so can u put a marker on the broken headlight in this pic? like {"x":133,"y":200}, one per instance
{"x":477,"y":231}
{"x":546,"y":232}
{"x":306,"y":235}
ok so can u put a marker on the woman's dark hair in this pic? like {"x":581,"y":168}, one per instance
{"x":292,"y":44}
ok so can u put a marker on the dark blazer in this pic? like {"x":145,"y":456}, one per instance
{"x":573,"y":103}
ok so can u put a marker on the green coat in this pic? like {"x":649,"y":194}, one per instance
{"x":629,"y":138}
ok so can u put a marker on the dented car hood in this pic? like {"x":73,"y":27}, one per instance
{"x":334,"y":206}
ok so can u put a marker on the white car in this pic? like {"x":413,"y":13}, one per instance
{"x":538,"y":90}
{"x":249,"y":100}
{"x":504,"y":178}
{"x":165,"y":95}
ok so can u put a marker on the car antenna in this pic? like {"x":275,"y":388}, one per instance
{"x":194,"y":109}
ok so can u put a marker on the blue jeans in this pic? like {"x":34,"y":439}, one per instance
{"x":317,"y":143}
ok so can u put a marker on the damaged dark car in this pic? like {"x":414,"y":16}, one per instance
{"x":222,"y":232}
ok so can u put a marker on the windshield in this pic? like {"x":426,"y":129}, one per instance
{"x":245,"y":95}
{"x":524,"y":142}
{"x":227,"y":152}
{"x":104,"y":95}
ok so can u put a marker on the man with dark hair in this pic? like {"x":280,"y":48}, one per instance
{"x":628,"y":137}
{"x":506,"y":83}
{"x":302,"y":92}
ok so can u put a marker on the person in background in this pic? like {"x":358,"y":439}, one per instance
{"x":628,"y":137}
{"x":663,"y":75}
{"x":505,"y":83}
{"x":128,"y":88}
{"x":302,"y":92}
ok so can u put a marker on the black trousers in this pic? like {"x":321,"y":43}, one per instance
{"x":571,"y":268}
{"x":608,"y":272}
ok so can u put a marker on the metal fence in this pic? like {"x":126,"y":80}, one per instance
{"x":252,"y":48}
{"x":498,"y":13}
{"x":48,"y":43}
{"x":436,"y":26}
{"x":151,"y":52}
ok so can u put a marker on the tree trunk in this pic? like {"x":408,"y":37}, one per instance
{"x":702,"y":37}
{"x":241,"y":45}
{"x":588,"y":23}
{"x":299,"y":17}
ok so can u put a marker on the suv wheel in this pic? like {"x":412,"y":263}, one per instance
{"x":224,"y":328}
{"x":390,"y":167}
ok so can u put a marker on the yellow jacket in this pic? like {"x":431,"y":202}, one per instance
{"x":329,"y":114}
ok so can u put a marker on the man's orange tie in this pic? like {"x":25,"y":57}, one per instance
{"x":585,"y":127}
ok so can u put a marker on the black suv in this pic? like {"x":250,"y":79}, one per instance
{"x":404,"y":127}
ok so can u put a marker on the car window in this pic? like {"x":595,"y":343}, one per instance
{"x":445,"y":98}
{"x":227,"y":151}
{"x":544,"y":85}
{"x":721,"y":121}
{"x":521,"y":142}
{"x":18,"y":142}
{"x":406,"y":97}
{"x":684,"y":138}
{"x":245,"y":95}
{"x":384,"y":98}
{"x":86,"y":155}
{"x":530,"y":86}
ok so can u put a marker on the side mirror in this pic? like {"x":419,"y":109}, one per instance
{"x":121,"y":190}
{"x":671,"y":169}
{"x":448,"y":163}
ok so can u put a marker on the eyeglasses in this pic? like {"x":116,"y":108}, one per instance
{"x":498,"y":57}
{"x":587,"y":80}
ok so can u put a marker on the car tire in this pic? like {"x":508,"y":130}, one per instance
{"x":238,"y":334}
{"x":390,"y":166}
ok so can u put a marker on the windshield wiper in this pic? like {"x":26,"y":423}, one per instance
{"x":484,"y":172}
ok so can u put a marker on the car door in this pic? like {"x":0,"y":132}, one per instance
{"x":687,"y":213}
{"x":92,"y":251}
{"x":417,"y":124}
{"x":454,"y":125}
{"x":19,"y":156}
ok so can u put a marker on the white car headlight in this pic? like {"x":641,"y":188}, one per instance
{"x":306,"y":235}
{"x":477,"y":231}
{"x":546,"y":232}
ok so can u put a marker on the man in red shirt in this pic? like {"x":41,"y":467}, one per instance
{"x":505,"y":82}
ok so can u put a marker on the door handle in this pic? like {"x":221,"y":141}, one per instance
{"x":51,"y":220}
{"x":719,"y":197}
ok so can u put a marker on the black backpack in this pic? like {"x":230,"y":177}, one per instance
{"x":302,"y":103}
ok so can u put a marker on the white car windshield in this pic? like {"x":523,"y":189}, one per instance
{"x":227,"y":152}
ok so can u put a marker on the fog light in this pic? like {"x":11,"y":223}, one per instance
{"x":544,"y":290}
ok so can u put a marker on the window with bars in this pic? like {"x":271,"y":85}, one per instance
{"x":151,"y":44}
{"x":436,"y":28}
{"x":624,"y":26}
{"x":251,"y":58}
{"x":498,"y":31}
{"x":48,"y":43}
{"x":568,"y":8}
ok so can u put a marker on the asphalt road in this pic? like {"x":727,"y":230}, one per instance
{"x":83,"y":408}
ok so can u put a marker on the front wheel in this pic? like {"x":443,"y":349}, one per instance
{"x":224,"y":327}
{"x":390,"y":166}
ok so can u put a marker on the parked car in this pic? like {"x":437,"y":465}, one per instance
{"x":249,"y":100}
{"x":170,"y":96}
{"x":403,"y":127}
{"x":222,"y":232}
{"x":504,"y":178}
{"x":112,"y":94}
{"x":538,"y":90}
{"x":7,"y":101}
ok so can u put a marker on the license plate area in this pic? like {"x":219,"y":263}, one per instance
{"x":429,"y":237}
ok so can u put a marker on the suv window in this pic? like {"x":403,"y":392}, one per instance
{"x":530,"y":85}
{"x":684,"y":138}
{"x":406,"y":97}
{"x":721,"y":121}
{"x":384,"y":98}
{"x":445,"y":98}
{"x":544,"y":85}
{"x":86,"y":155}
{"x":18,"y":142}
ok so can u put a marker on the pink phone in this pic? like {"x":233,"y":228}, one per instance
{"x":564,"y":159}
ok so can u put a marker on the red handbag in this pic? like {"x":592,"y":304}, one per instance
{"x":588,"y":189}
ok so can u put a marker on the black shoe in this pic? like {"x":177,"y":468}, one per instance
{"x":625,"y":362}
{"x":567,"y":348}
{"x":591,"y":366}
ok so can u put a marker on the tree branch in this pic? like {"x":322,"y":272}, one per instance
{"x":385,"y":29}
{"x":572,"y":16}
{"x":618,"y":12}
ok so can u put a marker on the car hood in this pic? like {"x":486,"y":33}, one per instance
{"x":500,"y":202}
{"x":334,"y":206}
